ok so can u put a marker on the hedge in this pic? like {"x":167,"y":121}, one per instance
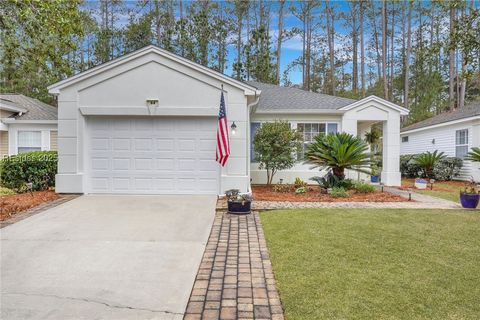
{"x":446,"y":169}
{"x":37,"y":167}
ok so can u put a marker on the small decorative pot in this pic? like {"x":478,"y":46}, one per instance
{"x":469,"y":200}
{"x":421,"y":184}
{"x":374,"y":179}
{"x":239,"y":207}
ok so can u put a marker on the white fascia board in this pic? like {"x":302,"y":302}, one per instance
{"x":301,"y":111}
{"x":144,"y":111}
{"x":11,"y":120}
{"x":403,"y":111}
{"x":443,"y":124}
{"x":4,"y":106}
{"x":55,"y":88}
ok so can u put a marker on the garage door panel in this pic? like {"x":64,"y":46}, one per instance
{"x":153,"y":155}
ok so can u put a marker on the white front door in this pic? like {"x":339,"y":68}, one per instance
{"x":143,"y":155}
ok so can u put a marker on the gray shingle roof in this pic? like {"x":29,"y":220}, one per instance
{"x":275,"y":97}
{"x":36,"y":109}
{"x":468,"y":111}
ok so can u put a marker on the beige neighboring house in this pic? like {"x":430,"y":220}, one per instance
{"x":26,"y":124}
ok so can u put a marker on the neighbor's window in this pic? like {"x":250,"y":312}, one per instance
{"x":29,"y":141}
{"x":253,"y":129}
{"x":461,"y":143}
{"x":405,"y":139}
{"x":310,"y":131}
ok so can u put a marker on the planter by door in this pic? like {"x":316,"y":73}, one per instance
{"x":239,"y":207}
{"x":374,"y":179}
{"x":469,"y":200}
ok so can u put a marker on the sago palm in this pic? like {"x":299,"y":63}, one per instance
{"x":428,"y":160}
{"x":339,"y":152}
{"x":474,"y":155}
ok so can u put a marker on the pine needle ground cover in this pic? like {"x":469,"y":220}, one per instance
{"x":376,"y":264}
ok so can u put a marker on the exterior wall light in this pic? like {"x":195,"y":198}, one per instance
{"x":152,"y":104}
{"x":233,"y":127}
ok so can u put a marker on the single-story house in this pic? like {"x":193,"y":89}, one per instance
{"x":146,"y":123}
{"x":453,"y":133}
{"x":26,"y":124}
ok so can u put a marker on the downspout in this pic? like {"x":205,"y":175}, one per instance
{"x":252,"y":109}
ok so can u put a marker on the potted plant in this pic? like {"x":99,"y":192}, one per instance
{"x":374,"y":178}
{"x":238,"y":203}
{"x":421,"y":184}
{"x":470,"y":196}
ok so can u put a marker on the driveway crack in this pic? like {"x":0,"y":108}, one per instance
{"x":92,"y":301}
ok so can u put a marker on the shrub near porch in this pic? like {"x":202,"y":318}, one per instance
{"x":375,"y":264}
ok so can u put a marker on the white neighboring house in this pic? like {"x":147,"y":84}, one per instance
{"x":145,"y":123}
{"x":453,"y":133}
{"x":26,"y":124}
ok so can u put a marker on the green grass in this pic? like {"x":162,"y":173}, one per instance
{"x":376,"y":264}
{"x":5,"y":191}
{"x":452,"y":196}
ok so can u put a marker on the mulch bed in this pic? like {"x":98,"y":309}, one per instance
{"x":13,"y":204}
{"x":265,"y":193}
{"x":410,"y":183}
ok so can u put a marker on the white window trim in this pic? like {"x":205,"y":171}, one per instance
{"x":406,"y":139}
{"x":463,"y":144}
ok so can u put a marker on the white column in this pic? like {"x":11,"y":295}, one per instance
{"x":475,"y":143}
{"x":391,"y":150}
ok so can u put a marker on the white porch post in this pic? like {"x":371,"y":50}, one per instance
{"x":391,"y":151}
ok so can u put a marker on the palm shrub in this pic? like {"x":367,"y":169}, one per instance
{"x":339,"y":152}
{"x":473,"y":155}
{"x":427,"y":161}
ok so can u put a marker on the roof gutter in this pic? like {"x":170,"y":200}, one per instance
{"x":4,"y":106}
{"x":447,"y":123}
{"x":15,"y":121}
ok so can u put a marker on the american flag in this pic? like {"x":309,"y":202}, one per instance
{"x":223,"y":145}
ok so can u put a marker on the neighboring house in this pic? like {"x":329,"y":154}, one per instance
{"x":453,"y":133}
{"x":26,"y":124}
{"x":146,"y":123}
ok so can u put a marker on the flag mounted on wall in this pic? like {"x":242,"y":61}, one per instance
{"x":223,"y":143}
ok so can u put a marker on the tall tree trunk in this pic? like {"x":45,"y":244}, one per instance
{"x":362,"y":51}
{"x":355,"y":50}
{"x":384,"y":50}
{"x":308,"y":46}
{"x":463,"y":82}
{"x":376,"y":41}
{"x":331,"y":43}
{"x":279,"y":39}
{"x":407,"y":55}
{"x":392,"y":51}
{"x":451,"y":61}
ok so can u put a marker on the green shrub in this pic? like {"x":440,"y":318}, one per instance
{"x":331,"y":181}
{"x":363,"y":187}
{"x":339,"y":192}
{"x":447,"y":168}
{"x":444,"y":169}
{"x":301,"y":190}
{"x":37,"y":167}
{"x":299,"y":183}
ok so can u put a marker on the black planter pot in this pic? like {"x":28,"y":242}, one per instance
{"x":469,"y":200}
{"x":239,"y":207}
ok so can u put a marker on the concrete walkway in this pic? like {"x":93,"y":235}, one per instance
{"x":105,"y":257}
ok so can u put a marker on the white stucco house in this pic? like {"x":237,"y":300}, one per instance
{"x":453,"y":133}
{"x":145,"y":123}
{"x":26,"y":124}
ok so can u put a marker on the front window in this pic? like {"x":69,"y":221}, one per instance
{"x":461,"y":143}
{"x":29,"y":141}
{"x":253,"y":129}
{"x":310,"y":131}
{"x":405,"y":139}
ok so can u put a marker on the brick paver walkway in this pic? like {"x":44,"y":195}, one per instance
{"x":235,"y":278}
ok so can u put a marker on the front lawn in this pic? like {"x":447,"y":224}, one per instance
{"x":376,"y":264}
{"x":448,"y":190}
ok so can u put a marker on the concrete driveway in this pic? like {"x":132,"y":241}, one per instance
{"x":105,"y":257}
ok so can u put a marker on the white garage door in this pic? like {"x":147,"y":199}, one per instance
{"x":152,"y":155}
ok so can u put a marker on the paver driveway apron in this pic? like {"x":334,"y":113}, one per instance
{"x":105,"y":257}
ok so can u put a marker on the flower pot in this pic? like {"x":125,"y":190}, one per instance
{"x":239,"y":207}
{"x":374,"y":179}
{"x":469,"y":200}
{"x":421,"y":184}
